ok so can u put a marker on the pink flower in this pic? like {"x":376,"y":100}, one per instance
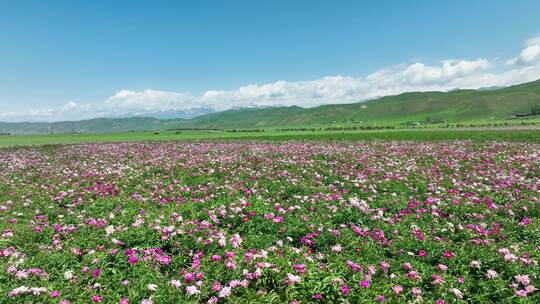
{"x":437,"y":280}
{"x":521,"y":293}
{"x":165,"y":260}
{"x":225,"y":292}
{"x":317,"y":296}
{"x":523,"y":279}
{"x":354,"y":266}
{"x":413,"y":275}
{"x":397,"y":289}
{"x":55,"y":294}
{"x":385,"y":266}
{"x":124,"y":301}
{"x":192,"y":290}
{"x":416,"y":291}
{"x":97,"y":298}
{"x":345,"y":289}
{"x":381,"y":298}
{"x":530,"y":289}
{"x":442,"y":267}
{"x":510,"y":257}
{"x":491,"y":274}
{"x":236,"y":241}
{"x":364,"y":284}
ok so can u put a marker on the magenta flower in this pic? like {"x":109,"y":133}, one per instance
{"x":97,"y":298}
{"x":133,"y":259}
{"x":96,"y":273}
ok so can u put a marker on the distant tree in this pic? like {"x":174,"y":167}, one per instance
{"x":535,"y":110}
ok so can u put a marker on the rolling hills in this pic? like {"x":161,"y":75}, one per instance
{"x":454,"y":107}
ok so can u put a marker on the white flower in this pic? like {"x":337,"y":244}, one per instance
{"x":68,"y":275}
{"x":109,"y":229}
{"x":336,"y":248}
{"x":293,"y":279}
{"x":457,"y":293}
{"x":38,"y":290}
{"x":175,"y":283}
{"x":19,"y":290}
{"x":475,"y":264}
{"x":152,"y":287}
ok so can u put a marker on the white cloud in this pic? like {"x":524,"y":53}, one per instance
{"x":533,"y":41}
{"x":530,"y":54}
{"x":147,"y":100}
{"x":417,"y":76}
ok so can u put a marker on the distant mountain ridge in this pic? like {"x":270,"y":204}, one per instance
{"x":453,"y":106}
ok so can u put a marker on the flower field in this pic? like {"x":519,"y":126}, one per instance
{"x":261,"y":222}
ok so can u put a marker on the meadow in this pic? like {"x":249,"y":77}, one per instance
{"x":515,"y":133}
{"x":273,"y":219}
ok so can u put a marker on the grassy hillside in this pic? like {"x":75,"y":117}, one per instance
{"x":98,"y":125}
{"x":453,"y":107}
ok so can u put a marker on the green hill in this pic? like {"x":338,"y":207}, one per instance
{"x":97,"y":125}
{"x":453,"y":107}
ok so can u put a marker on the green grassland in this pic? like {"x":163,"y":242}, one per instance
{"x":523,"y":135}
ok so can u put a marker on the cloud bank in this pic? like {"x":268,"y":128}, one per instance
{"x":443,"y":76}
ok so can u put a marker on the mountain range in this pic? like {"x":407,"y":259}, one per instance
{"x":454,"y":106}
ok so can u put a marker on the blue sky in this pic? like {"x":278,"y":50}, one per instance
{"x":81,"y":59}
